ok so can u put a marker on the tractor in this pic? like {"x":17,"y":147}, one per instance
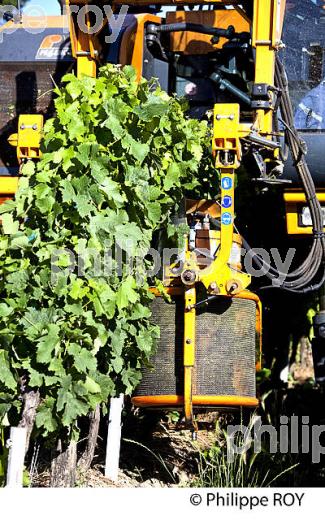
{"x":254,"y":69}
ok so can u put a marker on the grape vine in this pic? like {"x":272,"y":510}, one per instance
{"x":116,"y":160}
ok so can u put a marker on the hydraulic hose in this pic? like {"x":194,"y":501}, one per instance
{"x":193,"y":27}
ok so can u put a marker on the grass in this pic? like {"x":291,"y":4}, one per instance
{"x":246,"y":469}
{"x":157,"y":457}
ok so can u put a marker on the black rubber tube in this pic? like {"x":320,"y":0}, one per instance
{"x":195,"y":27}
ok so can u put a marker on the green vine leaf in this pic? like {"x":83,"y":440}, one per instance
{"x":75,"y":316}
{"x":6,"y":376}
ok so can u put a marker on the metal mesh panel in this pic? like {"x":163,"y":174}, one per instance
{"x":225,"y":354}
{"x":167,"y":376}
{"x":225,"y":350}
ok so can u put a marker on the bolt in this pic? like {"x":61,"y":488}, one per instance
{"x":220,"y":116}
{"x":188,"y":277}
{"x":188,"y":341}
{"x":213,"y":286}
{"x":34,"y":127}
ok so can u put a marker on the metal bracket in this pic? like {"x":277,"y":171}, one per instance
{"x":28,"y":139}
{"x":226,"y":143}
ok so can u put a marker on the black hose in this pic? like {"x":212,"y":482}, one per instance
{"x":314,"y":260}
{"x":193,"y":27}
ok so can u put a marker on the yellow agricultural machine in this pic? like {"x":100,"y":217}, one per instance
{"x":228,"y":58}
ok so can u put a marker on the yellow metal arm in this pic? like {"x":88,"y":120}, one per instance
{"x":84,"y":44}
{"x":189,"y":349}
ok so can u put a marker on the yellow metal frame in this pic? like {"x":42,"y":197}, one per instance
{"x":219,"y":278}
{"x":84,"y":45}
{"x":266,"y":38}
{"x":138,"y":48}
{"x":189,"y":349}
{"x":165,"y":401}
{"x":8,"y":186}
{"x":293,"y":200}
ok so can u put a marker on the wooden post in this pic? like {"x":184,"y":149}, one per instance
{"x":114,"y":438}
{"x":16,"y":458}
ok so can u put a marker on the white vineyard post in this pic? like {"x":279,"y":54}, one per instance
{"x":114,"y":438}
{"x":16,"y":457}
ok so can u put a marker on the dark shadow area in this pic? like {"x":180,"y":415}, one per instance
{"x":27,"y":88}
{"x":286,"y":331}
